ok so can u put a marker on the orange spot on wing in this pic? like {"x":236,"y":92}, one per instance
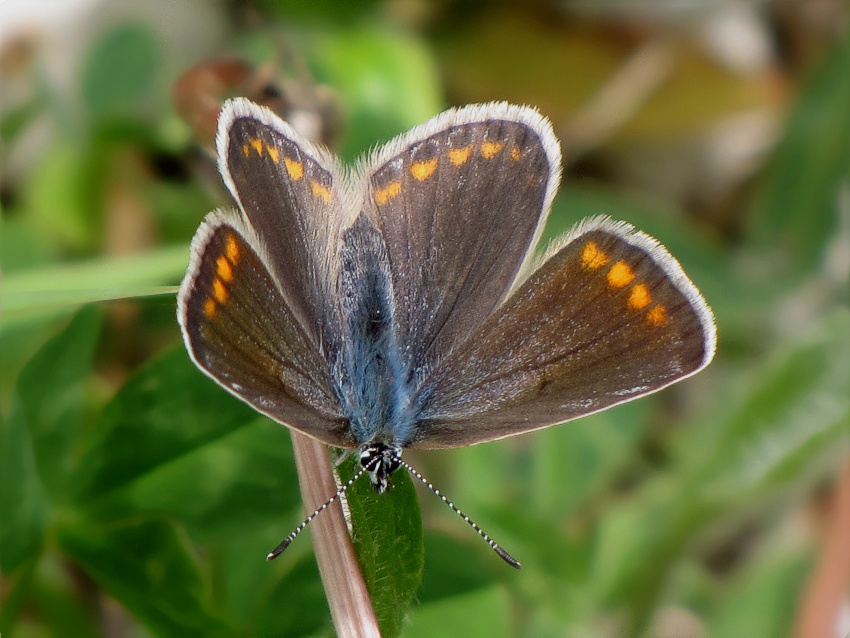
{"x":620,"y":275}
{"x":219,"y":291}
{"x":657,"y":316}
{"x":516,"y":154}
{"x":246,"y":150}
{"x":231,"y":250}
{"x":490,"y":149}
{"x":321,"y":191}
{"x":639,"y":297}
{"x":294,"y":168}
{"x":388,"y":192}
{"x":592,"y":257}
{"x":459,"y":156}
{"x":257,"y":145}
{"x":210,"y":307}
{"x":273,"y":153}
{"x":423,"y":170}
{"x":223,"y":269}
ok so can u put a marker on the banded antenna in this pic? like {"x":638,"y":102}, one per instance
{"x":504,"y":555}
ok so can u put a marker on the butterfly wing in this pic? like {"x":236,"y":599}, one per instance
{"x":290,"y":192}
{"x":609,"y":317}
{"x":240,"y":330}
{"x":256,"y":303}
{"x":460,"y":202}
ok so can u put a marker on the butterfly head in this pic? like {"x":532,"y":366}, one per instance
{"x":380,"y":460}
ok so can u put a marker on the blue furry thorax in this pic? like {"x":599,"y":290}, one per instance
{"x":372,"y":376}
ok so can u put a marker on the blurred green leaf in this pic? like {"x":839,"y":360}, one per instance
{"x":294,"y":603}
{"x":343,"y":11}
{"x":798,"y":211}
{"x":119,"y":72}
{"x":574,"y":459}
{"x":796,"y":416}
{"x":454,"y":566}
{"x":387,"y":535}
{"x":58,"y":202}
{"x":101,"y":279}
{"x":240,"y":481}
{"x":146,"y":566}
{"x":799,"y":409}
{"x":24,"y":506}
{"x":638,"y":540}
{"x":16,"y":119}
{"x":484,"y":613}
{"x":21,"y":246}
{"x":64,"y":610}
{"x":51,"y":390}
{"x":763,"y":601}
{"x":386,"y":80}
{"x":36,"y":441}
{"x":166,"y":410}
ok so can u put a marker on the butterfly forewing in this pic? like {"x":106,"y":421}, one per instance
{"x":241,"y":332}
{"x":609,"y":317}
{"x":460,"y":203}
{"x":290,"y":194}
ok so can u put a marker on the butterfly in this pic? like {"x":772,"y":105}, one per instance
{"x":399,"y":304}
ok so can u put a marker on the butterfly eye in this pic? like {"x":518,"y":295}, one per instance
{"x":371,"y":456}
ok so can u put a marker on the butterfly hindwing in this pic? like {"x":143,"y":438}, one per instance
{"x":609,"y":317}
{"x":241,"y":331}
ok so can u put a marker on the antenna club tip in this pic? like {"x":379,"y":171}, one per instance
{"x":277,"y":551}
{"x":510,"y":560}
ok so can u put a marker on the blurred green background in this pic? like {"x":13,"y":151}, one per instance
{"x":138,"y":499}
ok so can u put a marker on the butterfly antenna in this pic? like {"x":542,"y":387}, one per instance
{"x":510,"y":560}
{"x":277,"y":551}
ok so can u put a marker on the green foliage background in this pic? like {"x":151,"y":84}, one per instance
{"x":128,"y":477}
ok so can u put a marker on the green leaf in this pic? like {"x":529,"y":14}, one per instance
{"x":146,"y":566}
{"x":20,"y":339}
{"x":793,"y":423}
{"x":168,"y":409}
{"x":57,"y":200}
{"x":119,"y":72}
{"x":15,"y":120}
{"x":237,"y":483}
{"x":573,"y":460}
{"x":41,"y":289}
{"x":799,"y":411}
{"x":294,"y":605}
{"x":456,"y":565}
{"x":484,"y":613}
{"x":342,"y":11}
{"x":637,"y":542}
{"x":387,"y":81}
{"x":24,"y":506}
{"x":36,"y":442}
{"x":55,"y":594}
{"x":799,"y":207}
{"x":387,"y":535}
{"x":52,"y":398}
{"x":764,"y":599}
